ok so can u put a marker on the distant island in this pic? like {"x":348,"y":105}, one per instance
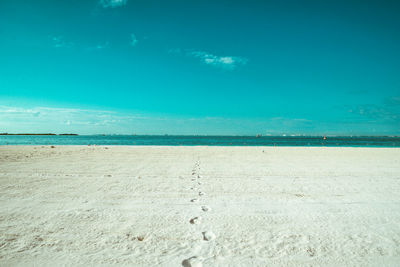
{"x":35,"y":134}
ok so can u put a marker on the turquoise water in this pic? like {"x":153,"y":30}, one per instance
{"x":201,"y":140}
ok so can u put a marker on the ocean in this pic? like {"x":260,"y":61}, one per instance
{"x":170,"y":140}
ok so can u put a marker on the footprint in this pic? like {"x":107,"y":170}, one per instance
{"x":205,"y":208}
{"x":208,"y":236}
{"x":195,"y":220}
{"x":201,"y":194}
{"x":199,"y":183}
{"x":192,"y":262}
{"x":194,"y":200}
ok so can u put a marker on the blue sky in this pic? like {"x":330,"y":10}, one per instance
{"x":200,"y":67}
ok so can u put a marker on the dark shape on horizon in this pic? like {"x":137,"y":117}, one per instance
{"x":28,"y":134}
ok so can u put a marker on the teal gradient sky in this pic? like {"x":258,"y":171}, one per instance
{"x":200,"y":67}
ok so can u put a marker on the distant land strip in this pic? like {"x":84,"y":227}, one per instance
{"x":35,"y":134}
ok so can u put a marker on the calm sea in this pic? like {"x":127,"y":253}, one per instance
{"x":200,"y":140}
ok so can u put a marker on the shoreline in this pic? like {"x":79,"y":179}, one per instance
{"x":208,"y":146}
{"x":40,"y":134}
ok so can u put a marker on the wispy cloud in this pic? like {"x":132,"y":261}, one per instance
{"x":49,"y":119}
{"x":60,"y":42}
{"x":112,"y":3}
{"x":225,"y":62}
{"x":99,"y":46}
{"x":389,"y":110}
{"x":134,"y":40}
{"x":92,"y":121}
{"x":392,"y":101}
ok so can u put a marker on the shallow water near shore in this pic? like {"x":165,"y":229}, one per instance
{"x":171,"y":140}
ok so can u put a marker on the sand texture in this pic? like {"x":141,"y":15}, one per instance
{"x":199,"y":206}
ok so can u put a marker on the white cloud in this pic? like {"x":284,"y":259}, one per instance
{"x":112,"y":3}
{"x":48,"y":119}
{"x":100,"y":46}
{"x":60,"y":42}
{"x":103,"y":45}
{"x":91,"y":121}
{"x":134,"y":40}
{"x":225,"y":62}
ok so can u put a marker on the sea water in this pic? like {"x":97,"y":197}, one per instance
{"x":170,"y":140}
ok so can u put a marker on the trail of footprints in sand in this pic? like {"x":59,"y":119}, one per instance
{"x":196,"y":261}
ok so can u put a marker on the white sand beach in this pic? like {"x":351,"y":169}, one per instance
{"x":226,"y":206}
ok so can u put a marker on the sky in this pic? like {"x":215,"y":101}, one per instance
{"x":200,"y":67}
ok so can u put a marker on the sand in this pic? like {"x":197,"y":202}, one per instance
{"x":199,"y":206}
